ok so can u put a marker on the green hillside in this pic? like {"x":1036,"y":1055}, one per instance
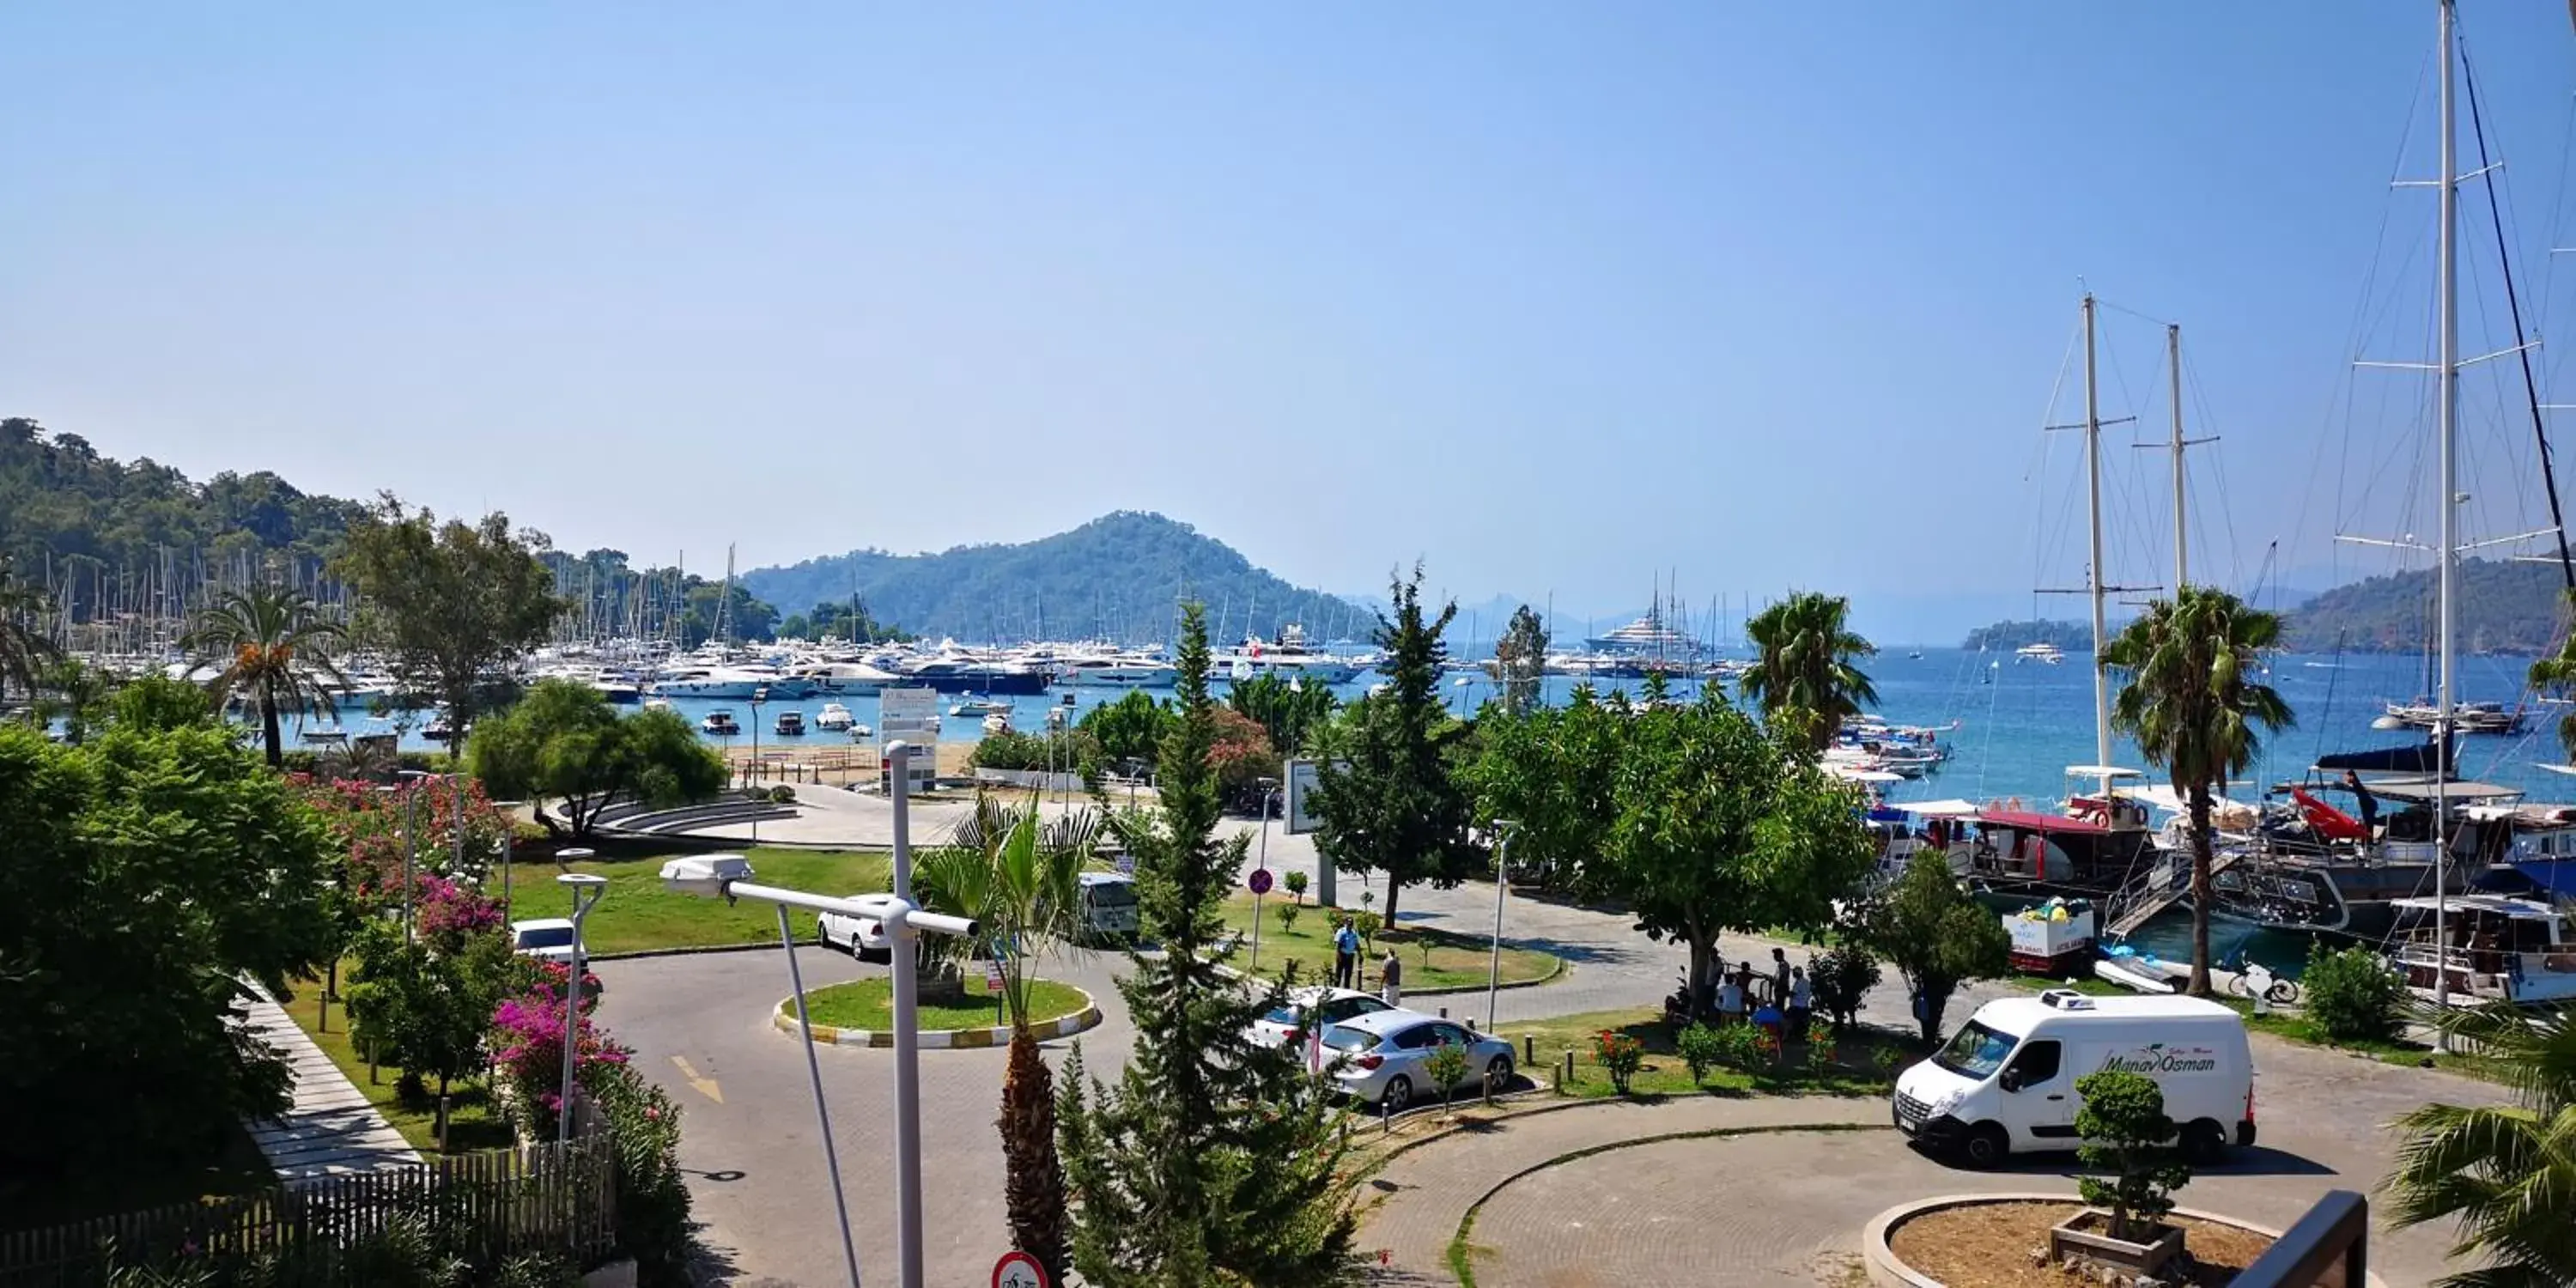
{"x":1118,"y":576}
{"x":2503,"y":608}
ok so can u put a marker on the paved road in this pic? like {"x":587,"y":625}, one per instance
{"x":1787,"y":1209}
{"x":754,"y":1157}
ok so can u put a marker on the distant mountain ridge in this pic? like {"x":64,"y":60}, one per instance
{"x":1120,"y":576}
{"x":2503,"y":608}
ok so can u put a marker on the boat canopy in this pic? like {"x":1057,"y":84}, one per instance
{"x":1937,"y":809}
{"x":2427,"y":758}
{"x":2423,"y":790}
{"x":2162,"y":796}
{"x":2103,"y":771}
{"x":2493,"y":905}
{"x":2559,"y":879}
{"x":2028,"y":821}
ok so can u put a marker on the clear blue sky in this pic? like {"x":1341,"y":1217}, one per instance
{"x":1555,"y":297}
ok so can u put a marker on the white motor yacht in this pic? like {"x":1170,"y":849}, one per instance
{"x":834,"y":718}
{"x":1286,"y":656}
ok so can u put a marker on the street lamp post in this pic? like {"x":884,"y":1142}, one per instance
{"x":1261,"y":864}
{"x":903,"y":922}
{"x":587,"y":890}
{"x":1494,"y":966}
{"x":411,"y":840}
{"x":758,"y":696}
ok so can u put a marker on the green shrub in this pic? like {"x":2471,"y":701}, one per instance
{"x":1447,"y":1067}
{"x":2352,"y":994}
{"x":1841,"y":979}
{"x":782,"y":794}
{"x":1287,"y":918}
{"x":1701,"y":1049}
{"x":2125,"y":1132}
{"x":1367,"y":924}
{"x":1820,"y":1047}
{"x":652,"y":1198}
{"x":1296,"y":883}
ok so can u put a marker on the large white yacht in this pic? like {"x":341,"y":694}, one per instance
{"x":1286,"y":656}
{"x":1114,"y":671}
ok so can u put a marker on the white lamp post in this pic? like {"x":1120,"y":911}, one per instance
{"x":587,"y":890}
{"x":725,"y":876}
{"x":411,"y":843}
{"x":1494,"y":969}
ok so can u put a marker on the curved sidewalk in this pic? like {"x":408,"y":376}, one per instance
{"x":1430,"y":1187}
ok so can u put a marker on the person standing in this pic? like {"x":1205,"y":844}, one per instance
{"x":1780,"y":970}
{"x":2367,"y":804}
{"x":1390,"y":978}
{"x":1802,"y":1002}
{"x":1346,"y":954}
{"x":1730,"y":999}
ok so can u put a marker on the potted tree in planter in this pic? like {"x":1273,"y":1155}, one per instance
{"x":2125,"y":1133}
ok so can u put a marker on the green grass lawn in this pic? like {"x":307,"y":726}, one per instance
{"x":869,"y":1004}
{"x":1455,"y":961}
{"x":1853,"y":1071}
{"x":638,"y":914}
{"x":473,"y":1121}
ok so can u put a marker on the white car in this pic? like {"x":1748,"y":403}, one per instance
{"x":1381,"y":1056}
{"x":548,"y":939}
{"x":860,"y":937}
{"x":1326,"y":1006}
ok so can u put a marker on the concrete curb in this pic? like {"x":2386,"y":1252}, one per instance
{"x":1563,"y":968}
{"x":1888,"y":1272}
{"x":782,"y":1017}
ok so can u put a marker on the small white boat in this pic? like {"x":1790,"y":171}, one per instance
{"x":331,"y":734}
{"x":981,"y":707}
{"x":861,"y":733}
{"x":997,"y":723}
{"x":790,"y":724}
{"x":2040,"y":652}
{"x":2132,"y":969}
{"x":657,"y":704}
{"x":719,"y":723}
{"x":834,"y":718}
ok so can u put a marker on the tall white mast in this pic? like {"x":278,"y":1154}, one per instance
{"x":2182,"y":548}
{"x":2100,"y":588}
{"x":2448,"y":396}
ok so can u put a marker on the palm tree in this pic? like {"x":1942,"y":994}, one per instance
{"x":1804,"y":671}
{"x":2557,"y":675}
{"x":267,"y":644}
{"x":2193,"y":707}
{"x":2506,"y":1174}
{"x":1022,"y":884}
{"x":24,"y":650}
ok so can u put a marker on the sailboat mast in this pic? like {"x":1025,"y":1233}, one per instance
{"x":2448,"y":396}
{"x":2182,"y":550}
{"x":2093,"y":474}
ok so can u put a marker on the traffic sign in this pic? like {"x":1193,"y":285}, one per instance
{"x":992,"y":977}
{"x":1260,"y":881}
{"x":1018,"y":1269}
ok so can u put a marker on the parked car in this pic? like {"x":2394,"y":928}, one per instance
{"x":1108,"y":906}
{"x":1385,"y":1051}
{"x":1313,"y":1005}
{"x":860,"y":937}
{"x":548,"y":939}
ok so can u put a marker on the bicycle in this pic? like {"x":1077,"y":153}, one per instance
{"x":2254,"y":980}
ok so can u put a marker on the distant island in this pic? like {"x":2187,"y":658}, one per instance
{"x":2007,"y":636}
{"x":1118,"y":577}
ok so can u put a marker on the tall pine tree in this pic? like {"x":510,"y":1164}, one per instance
{"x":1394,"y":806}
{"x":1214,"y":1159}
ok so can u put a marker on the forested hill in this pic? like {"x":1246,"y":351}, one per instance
{"x":142,"y":534}
{"x":2503,"y":608}
{"x":1118,"y":576}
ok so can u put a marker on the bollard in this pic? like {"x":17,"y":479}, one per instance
{"x":1385,"y":1121}
{"x":1444,"y":1012}
{"x":1471,"y":1024}
{"x":1529,"y":1049}
{"x":442,"y":1123}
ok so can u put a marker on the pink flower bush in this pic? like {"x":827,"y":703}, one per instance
{"x":449,"y":913}
{"x":528,"y":1032}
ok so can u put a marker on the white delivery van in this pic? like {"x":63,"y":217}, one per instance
{"x":2005,"y":1083}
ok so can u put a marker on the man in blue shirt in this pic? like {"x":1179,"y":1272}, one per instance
{"x":1346,"y":954}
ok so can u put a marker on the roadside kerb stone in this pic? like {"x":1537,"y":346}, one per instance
{"x":782,"y":1017}
{"x":1888,"y":1272}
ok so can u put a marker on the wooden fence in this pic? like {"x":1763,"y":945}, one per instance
{"x":483,"y":1206}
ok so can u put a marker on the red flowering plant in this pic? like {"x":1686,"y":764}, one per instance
{"x":449,"y":914}
{"x":370,"y":819}
{"x":1620,"y":1055}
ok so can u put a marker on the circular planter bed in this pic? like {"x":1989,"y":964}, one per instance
{"x":2001,"y":1241}
{"x":861,"y":1013}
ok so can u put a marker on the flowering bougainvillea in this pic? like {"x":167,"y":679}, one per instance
{"x":449,"y":913}
{"x":528,"y":1030}
{"x":369,"y":818}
